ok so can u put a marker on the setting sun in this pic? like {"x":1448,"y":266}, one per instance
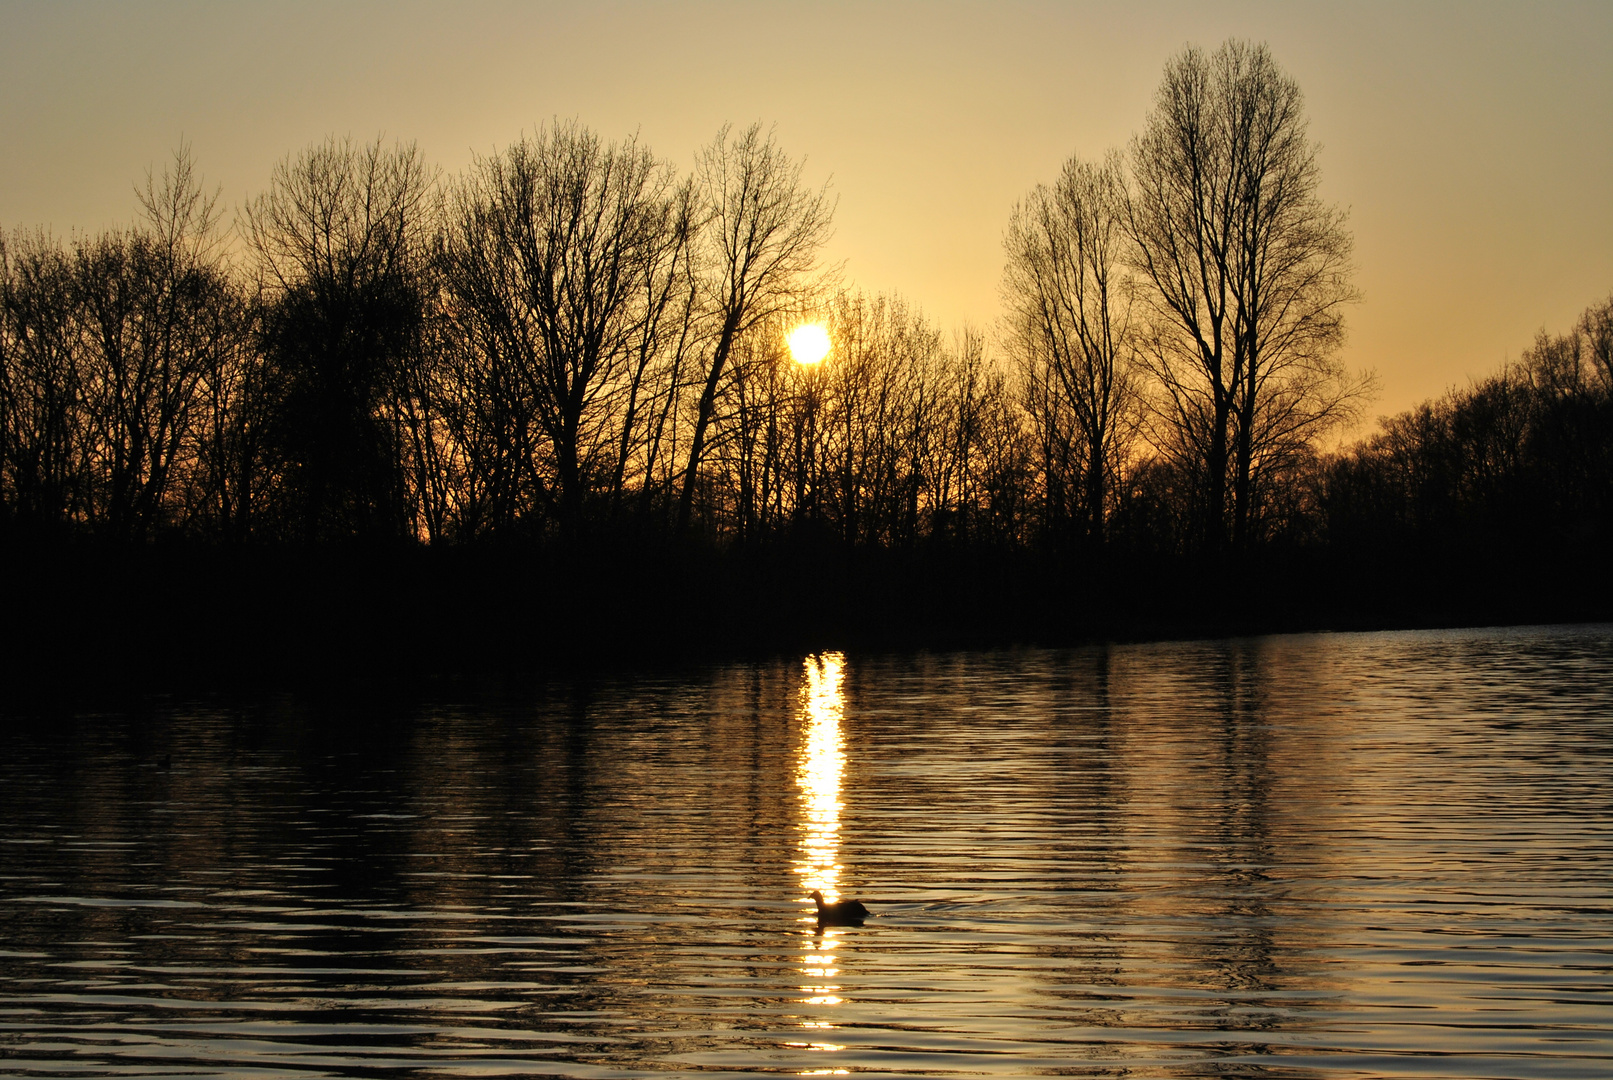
{"x":809,"y":343}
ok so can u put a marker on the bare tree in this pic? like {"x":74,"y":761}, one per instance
{"x":1595,"y":329}
{"x":1068,"y":295}
{"x":1250,"y":273}
{"x":752,"y":445}
{"x":882,"y":390}
{"x":341,"y":241}
{"x":228,"y":483}
{"x":158,"y":311}
{"x":760,"y":238}
{"x":975,"y":396}
{"x":42,"y":460}
{"x":567,"y":262}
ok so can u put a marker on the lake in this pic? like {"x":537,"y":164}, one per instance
{"x":1308,"y":856}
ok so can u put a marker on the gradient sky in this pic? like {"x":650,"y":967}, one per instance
{"x":1472,"y":142}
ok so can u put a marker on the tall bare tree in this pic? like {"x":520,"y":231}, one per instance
{"x":158,"y":311}
{"x":1250,"y":273}
{"x":762,"y":229}
{"x":567,"y":261}
{"x":1068,"y":293}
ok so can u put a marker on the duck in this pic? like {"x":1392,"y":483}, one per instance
{"x":844,"y":913}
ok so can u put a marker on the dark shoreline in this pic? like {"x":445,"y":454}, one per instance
{"x":88,"y":621}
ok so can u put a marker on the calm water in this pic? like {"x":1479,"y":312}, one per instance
{"x":1353,"y":855}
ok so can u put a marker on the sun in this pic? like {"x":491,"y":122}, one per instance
{"x":809,"y":343}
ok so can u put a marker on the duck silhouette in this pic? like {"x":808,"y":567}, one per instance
{"x":844,"y":913}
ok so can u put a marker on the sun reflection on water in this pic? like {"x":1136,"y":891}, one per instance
{"x":821,"y":763}
{"x":822,"y":760}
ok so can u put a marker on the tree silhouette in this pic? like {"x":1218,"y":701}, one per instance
{"x":1250,"y":272}
{"x":761,"y":231}
{"x":341,"y":239}
{"x":567,"y":264}
{"x":42,"y":426}
{"x":1070,"y":325}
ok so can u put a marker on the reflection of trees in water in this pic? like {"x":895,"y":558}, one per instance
{"x":551,"y":842}
{"x":1144,"y":855}
{"x":1093,"y":858}
{"x":1229,"y":769}
{"x":1163,"y":781}
{"x":1242,"y":850}
{"x":588,"y":834}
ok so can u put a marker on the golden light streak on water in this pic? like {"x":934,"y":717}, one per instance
{"x":820,"y":766}
{"x":818,"y":773}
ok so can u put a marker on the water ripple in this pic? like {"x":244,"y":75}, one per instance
{"x":1346,"y":855}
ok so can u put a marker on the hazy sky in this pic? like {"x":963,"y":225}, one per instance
{"x":1472,"y":142}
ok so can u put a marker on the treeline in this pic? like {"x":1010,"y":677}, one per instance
{"x":1496,"y":499}
{"x":571,"y":341}
{"x":566,"y":344}
{"x":560,"y":381}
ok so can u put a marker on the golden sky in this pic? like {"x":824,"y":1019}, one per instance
{"x":1472,"y":142}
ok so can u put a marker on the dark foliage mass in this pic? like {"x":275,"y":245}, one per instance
{"x":548,"y":404}
{"x":1495,"y":500}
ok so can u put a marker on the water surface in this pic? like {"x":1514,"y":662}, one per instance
{"x":1313,"y":856}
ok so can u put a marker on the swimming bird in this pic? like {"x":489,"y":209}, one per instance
{"x":844,"y":913}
